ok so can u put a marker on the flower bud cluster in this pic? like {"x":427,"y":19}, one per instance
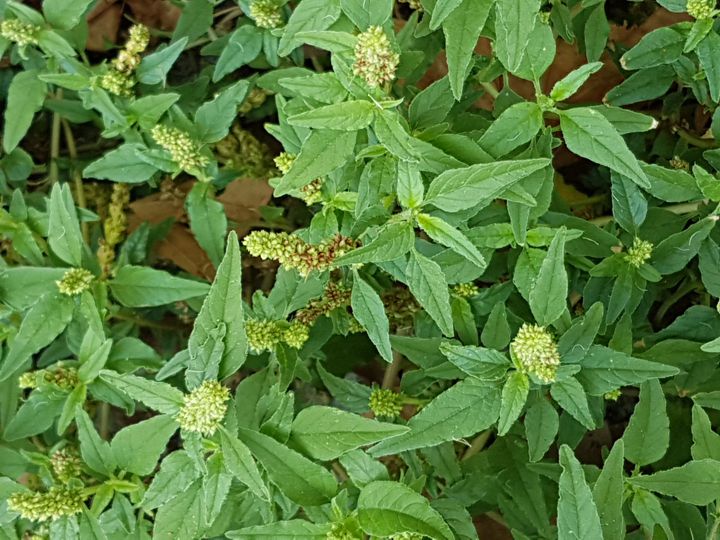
{"x":120,"y":79}
{"x":19,"y":32}
{"x":265,"y":335}
{"x":400,"y":306}
{"x":414,"y":4}
{"x":375,"y":60}
{"x":678,"y":163}
{"x":344,"y":531}
{"x":613,"y":395}
{"x":64,"y":378}
{"x":294,"y":253}
{"x":204,"y":408}
{"x":255,"y":99}
{"x":465,"y":290}
{"x":639,"y":253}
{"x":386,"y":403}
{"x":75,"y":281}
{"x":700,"y":9}
{"x":310,"y":193}
{"x":52,"y":504}
{"x":66,"y":464}
{"x":266,"y":13}
{"x":335,"y":296}
{"x":537,"y":352}
{"x":114,"y":226}
{"x":183,"y":150}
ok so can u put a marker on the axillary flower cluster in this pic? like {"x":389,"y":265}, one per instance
{"x":56,"y":502}
{"x":701,"y":9}
{"x":114,"y":226}
{"x":266,"y":14}
{"x":639,"y":253}
{"x":75,"y":281}
{"x":385,"y":403}
{"x":375,"y":59}
{"x":19,"y":32}
{"x":120,"y":79}
{"x":265,"y":335}
{"x":536,"y":351}
{"x":293,"y":253}
{"x":182,"y":148}
{"x":310,"y":193}
{"x":204,"y":408}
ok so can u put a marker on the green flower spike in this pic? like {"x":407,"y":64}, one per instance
{"x":266,"y":13}
{"x":700,"y":9}
{"x":19,"y":32}
{"x":75,"y":281}
{"x":537,"y":352}
{"x":639,"y":253}
{"x":385,"y":403}
{"x":375,"y":60}
{"x":204,"y":408}
{"x":48,"y":505}
{"x":184,"y":151}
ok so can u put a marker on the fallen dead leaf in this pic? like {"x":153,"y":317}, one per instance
{"x":103,"y":25}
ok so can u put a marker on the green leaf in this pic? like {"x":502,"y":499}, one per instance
{"x":95,"y":452}
{"x":541,"y":427}
{"x":462,"y":27}
{"x":706,"y":443}
{"x":182,"y":516}
{"x":604,"y":370}
{"x":239,"y":462}
{"x":393,"y":136}
{"x":154,"y":67}
{"x":516,"y":125}
{"x":142,"y":286}
{"x":548,"y":297}
{"x":461,"y":411}
{"x":696,"y":482}
{"x":212,"y":121}
{"x":64,"y":231}
{"x":590,"y":135}
{"x":243,"y":47}
{"x":514,"y":394}
{"x":208,"y":222}
{"x":671,"y":185}
{"x":322,"y":153}
{"x":25,"y":97}
{"x":440,"y":12}
{"x":570,"y":395}
{"x":388,"y":508}
{"x":484,"y":364}
{"x":577,"y":514}
{"x":195,"y":20}
{"x":65,"y":14}
{"x":628,"y":203}
{"x":177,"y":472}
{"x":34,"y":416}
{"x":350,"y":394}
{"x":460,"y":189}
{"x":447,"y":235}
{"x":647,"y":436}
{"x":707,"y":53}
{"x":301,"y":480}
{"x":608,"y":493}
{"x":137,"y":448}
{"x":660,"y":46}
{"x":122,"y":165}
{"x":432,"y":105}
{"x":677,"y":250}
{"x":708,"y":183}
{"x":410,"y":187}
{"x":294,"y":529}
{"x":428,"y":285}
{"x":217,"y":344}
{"x":345,"y":116}
{"x":393,"y":241}
{"x":369,"y":310}
{"x":514,"y":22}
{"x":365,"y":14}
{"x":159,"y":396}
{"x":41,"y":325}
{"x":149,"y":109}
{"x":309,"y":16}
{"x":571,"y":83}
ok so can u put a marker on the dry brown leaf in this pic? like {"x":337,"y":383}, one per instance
{"x":159,"y":14}
{"x":103,"y":25}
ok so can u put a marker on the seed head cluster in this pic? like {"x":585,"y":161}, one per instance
{"x":75,"y":281}
{"x":336,"y":296}
{"x":537,"y":352}
{"x":19,"y":32}
{"x":466,"y":290}
{"x":266,"y":13}
{"x":183,"y":150}
{"x":52,"y":504}
{"x":375,"y":59}
{"x":114,"y":226}
{"x":384,"y":402}
{"x":700,"y":9}
{"x":639,"y":253}
{"x":66,"y":464}
{"x":265,"y":334}
{"x":294,"y":253}
{"x":204,"y":408}
{"x":400,"y":306}
{"x":120,"y":78}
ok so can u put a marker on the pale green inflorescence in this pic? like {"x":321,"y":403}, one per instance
{"x":19,"y":32}
{"x":466,"y":290}
{"x":204,"y":408}
{"x":53,"y":504}
{"x":537,"y":352}
{"x":66,"y":464}
{"x":700,"y":9}
{"x":284,"y":161}
{"x":75,"y":281}
{"x":266,"y":13}
{"x":375,"y":60}
{"x":639,"y":253}
{"x":384,"y":402}
{"x":340,"y":531}
{"x":296,"y":335}
{"x":263,"y":335}
{"x":183,"y":150}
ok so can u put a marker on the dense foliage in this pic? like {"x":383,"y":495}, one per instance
{"x":482,"y":296}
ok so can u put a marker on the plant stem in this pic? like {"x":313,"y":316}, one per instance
{"x":694,"y":139}
{"x":478,"y":444}
{"x":490,"y":89}
{"x":715,"y":529}
{"x":53,"y":174}
{"x":77,"y":176}
{"x":391,"y":372}
{"x":683,"y":208}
